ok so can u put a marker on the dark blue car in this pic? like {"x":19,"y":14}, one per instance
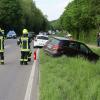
{"x":11,"y":34}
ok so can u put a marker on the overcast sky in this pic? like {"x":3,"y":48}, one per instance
{"x":52,"y":8}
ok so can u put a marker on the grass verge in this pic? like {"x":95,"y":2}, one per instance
{"x":66,"y":78}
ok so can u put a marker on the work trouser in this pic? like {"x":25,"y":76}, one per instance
{"x":1,"y":57}
{"x":24,"y":57}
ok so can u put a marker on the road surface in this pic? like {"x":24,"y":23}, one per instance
{"x":14,"y":78}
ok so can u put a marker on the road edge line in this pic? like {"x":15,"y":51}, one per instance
{"x":30,"y":82}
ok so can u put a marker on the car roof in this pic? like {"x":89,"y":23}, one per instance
{"x":42,"y":35}
{"x":60,"y":38}
{"x":64,"y":38}
{"x":11,"y":32}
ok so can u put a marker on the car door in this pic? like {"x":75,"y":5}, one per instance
{"x":83,"y":50}
{"x":71,"y":48}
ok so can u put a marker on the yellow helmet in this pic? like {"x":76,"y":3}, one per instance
{"x":25,"y":31}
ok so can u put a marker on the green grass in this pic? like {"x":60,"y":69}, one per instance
{"x":66,"y":78}
{"x":96,"y":50}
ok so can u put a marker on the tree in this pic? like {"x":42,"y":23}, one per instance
{"x":19,"y":14}
{"x":80,"y":17}
{"x":10,"y":14}
{"x":32,"y":16}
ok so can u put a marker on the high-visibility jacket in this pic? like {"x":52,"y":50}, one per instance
{"x":24,"y":44}
{"x":1,"y":44}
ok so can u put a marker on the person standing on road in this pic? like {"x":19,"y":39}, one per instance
{"x":1,"y":47}
{"x":98,"y":39}
{"x":69,"y":36}
{"x":24,"y":45}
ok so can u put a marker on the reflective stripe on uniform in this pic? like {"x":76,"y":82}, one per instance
{"x":21,"y":59}
{"x":1,"y":61}
{"x":1,"y":50}
{"x":24,"y":44}
{"x":24,"y":50}
{"x":30,"y":52}
{"x":1,"y":44}
{"x":25,"y":59}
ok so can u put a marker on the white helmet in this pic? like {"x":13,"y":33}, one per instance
{"x":25,"y":31}
{"x":69,"y":35}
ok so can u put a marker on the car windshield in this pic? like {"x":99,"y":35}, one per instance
{"x":42,"y":37}
{"x":55,"y":41}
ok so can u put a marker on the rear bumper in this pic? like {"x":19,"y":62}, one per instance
{"x":53,"y":53}
{"x":38,"y":45}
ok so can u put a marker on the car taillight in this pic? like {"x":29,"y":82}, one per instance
{"x":56,"y":47}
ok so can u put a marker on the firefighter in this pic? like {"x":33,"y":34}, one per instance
{"x":1,"y":47}
{"x":24,"y":45}
{"x":69,"y":36}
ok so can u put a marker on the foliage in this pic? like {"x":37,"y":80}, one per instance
{"x":80,"y":17}
{"x":10,"y":14}
{"x":55,"y":24}
{"x":19,"y":14}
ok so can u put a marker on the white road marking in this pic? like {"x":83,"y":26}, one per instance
{"x":30,"y":82}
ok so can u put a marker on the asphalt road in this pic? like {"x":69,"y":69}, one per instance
{"x":14,"y":78}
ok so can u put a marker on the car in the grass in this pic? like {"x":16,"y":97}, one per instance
{"x":40,"y":40}
{"x":11,"y":35}
{"x":59,"y":45}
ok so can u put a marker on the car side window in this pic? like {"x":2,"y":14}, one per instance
{"x":84,"y":49}
{"x":55,"y":41}
{"x":42,"y":37}
{"x":73,"y":45}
